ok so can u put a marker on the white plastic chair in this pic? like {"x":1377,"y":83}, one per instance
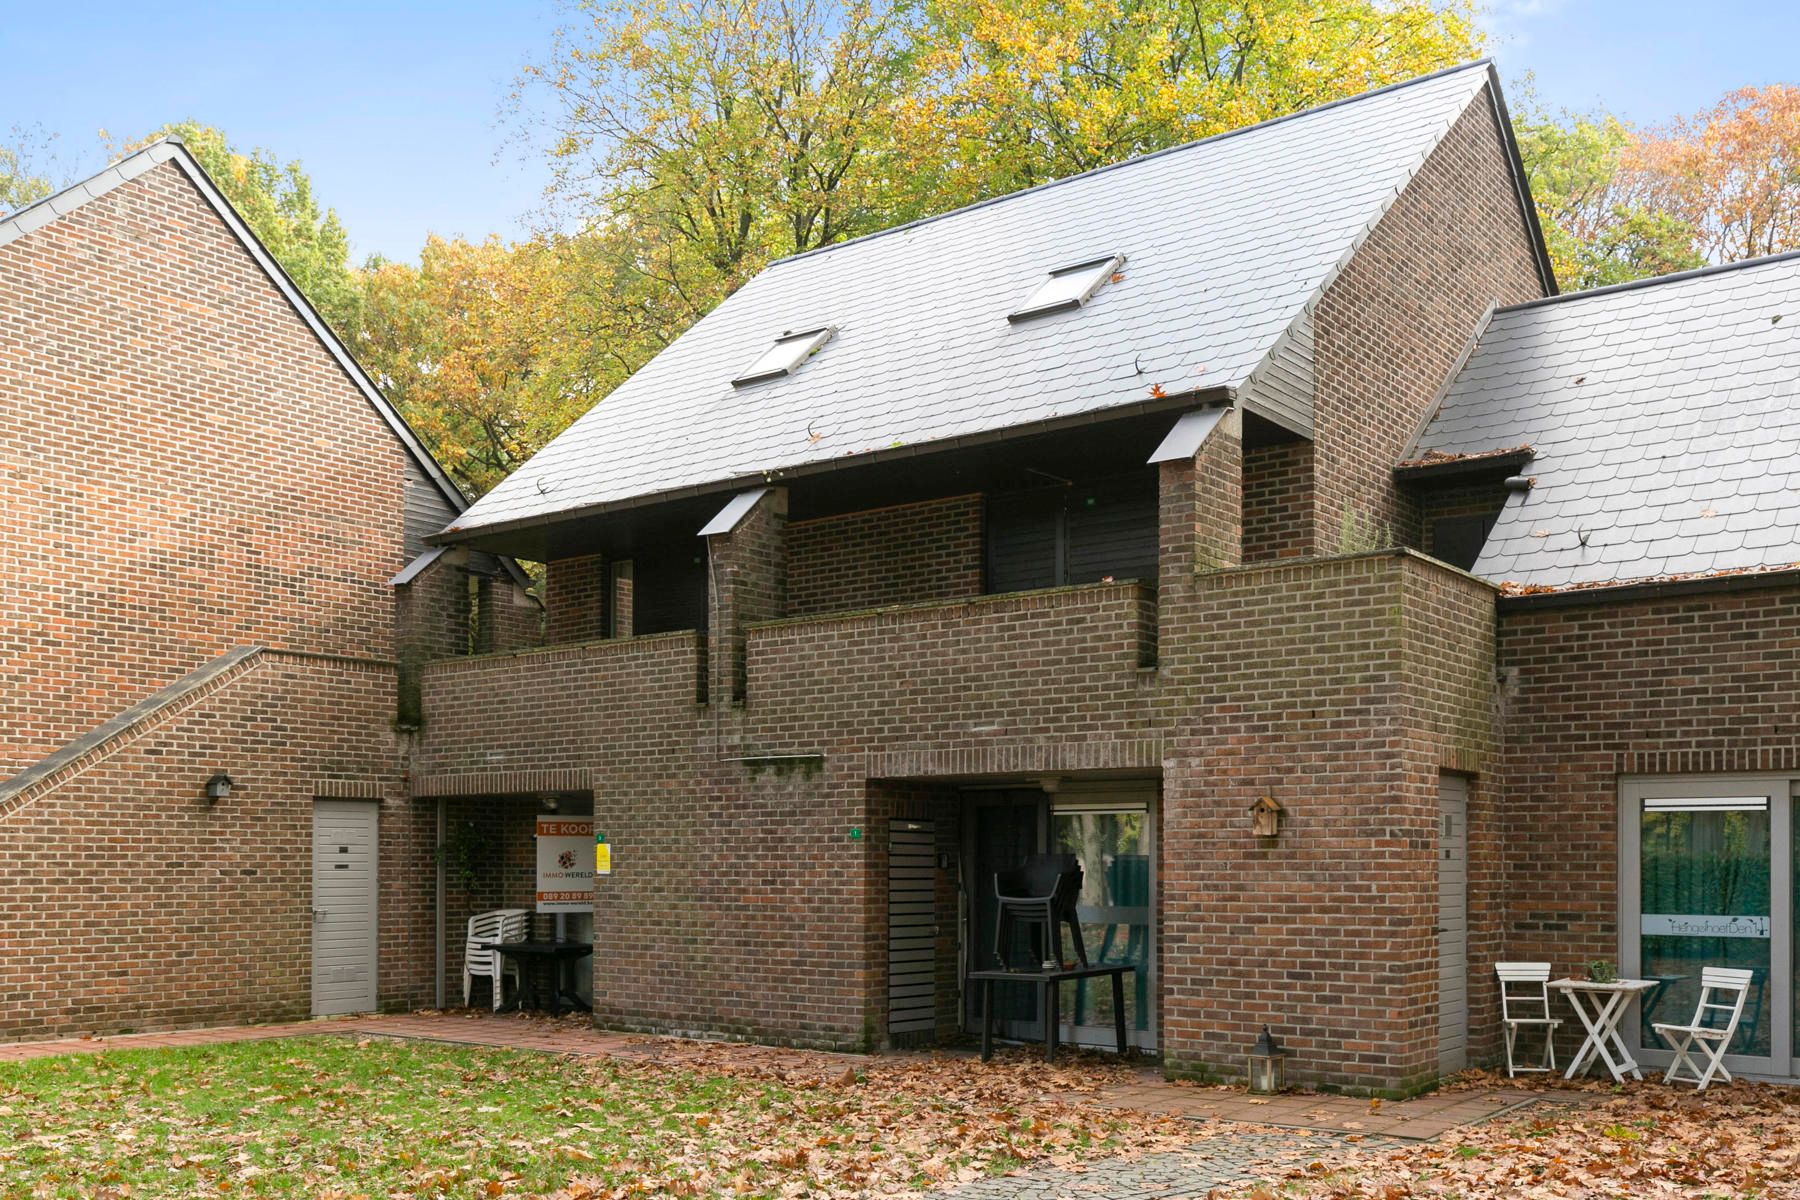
{"x":498,"y":925}
{"x":1525,"y":1003}
{"x":1702,"y":1033}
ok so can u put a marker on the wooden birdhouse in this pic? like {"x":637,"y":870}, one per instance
{"x":1265,"y":816}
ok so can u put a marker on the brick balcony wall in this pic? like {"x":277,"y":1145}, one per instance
{"x":943,"y":674}
{"x":558,"y":707}
{"x":127,"y":903}
{"x":902,"y":554}
{"x":183,"y":468}
{"x":731,"y":826}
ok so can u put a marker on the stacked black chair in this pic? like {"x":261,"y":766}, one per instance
{"x":1041,"y":892}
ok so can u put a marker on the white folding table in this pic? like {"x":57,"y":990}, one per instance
{"x":1601,"y":1008}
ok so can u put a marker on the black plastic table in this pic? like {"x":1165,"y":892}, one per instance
{"x":560,"y":956}
{"x":1047,"y":982}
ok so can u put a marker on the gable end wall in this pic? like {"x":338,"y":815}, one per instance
{"x":184,"y":468}
{"x":1391,"y":326}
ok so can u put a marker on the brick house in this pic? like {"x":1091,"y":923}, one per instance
{"x":206,"y":511}
{"x":1049,"y":522}
{"x":1086,"y":518}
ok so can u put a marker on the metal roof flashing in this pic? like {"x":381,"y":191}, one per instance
{"x":734,"y":512}
{"x":1186,"y":436}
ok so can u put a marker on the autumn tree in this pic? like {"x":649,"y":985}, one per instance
{"x":1026,"y":90}
{"x":1731,"y":173}
{"x":482,"y":347}
{"x":276,"y":200}
{"x":723,"y":133}
{"x":25,"y":169}
{"x":1599,"y":225}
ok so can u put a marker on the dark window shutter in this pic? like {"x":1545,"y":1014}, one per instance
{"x":1458,"y":540}
{"x":668,"y":589}
{"x":1024,"y":540}
{"x":1112,"y":527}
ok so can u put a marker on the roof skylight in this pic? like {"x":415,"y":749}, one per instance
{"x":785,"y":356}
{"x":1068,"y":287}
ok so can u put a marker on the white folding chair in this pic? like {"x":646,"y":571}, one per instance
{"x":498,"y":925}
{"x":1525,"y":1003}
{"x":1704,"y":1033}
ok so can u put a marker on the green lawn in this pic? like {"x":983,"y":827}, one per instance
{"x":331,"y":1116}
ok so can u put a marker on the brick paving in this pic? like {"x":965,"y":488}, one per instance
{"x":1173,"y":1175}
{"x":1420,"y":1119}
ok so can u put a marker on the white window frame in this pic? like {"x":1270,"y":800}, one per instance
{"x":785,"y":355}
{"x":1784,"y":1056}
{"x":1067,"y":287}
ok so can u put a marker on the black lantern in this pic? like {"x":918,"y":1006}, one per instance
{"x":1268,"y":1063}
{"x":218,"y":788}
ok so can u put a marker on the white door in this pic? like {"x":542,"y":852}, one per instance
{"x":1453,"y":924}
{"x":343,"y":906}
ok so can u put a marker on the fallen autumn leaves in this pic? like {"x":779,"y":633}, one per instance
{"x":1644,"y":1139}
{"x":331,"y":1117}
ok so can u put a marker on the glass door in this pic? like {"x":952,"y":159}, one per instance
{"x":1000,"y":830}
{"x":1112,"y":837}
{"x":1707,"y":875}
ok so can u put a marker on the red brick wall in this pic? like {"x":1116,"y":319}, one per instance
{"x":128,"y":903}
{"x":1312,"y":692}
{"x":732,"y":828}
{"x":1278,"y":501}
{"x":897,"y":555}
{"x":1686,"y":684}
{"x":1449,"y":724}
{"x":183,"y":468}
{"x":749,"y":577}
{"x":1392,"y":324}
{"x":932,"y":673}
{"x":575,"y":599}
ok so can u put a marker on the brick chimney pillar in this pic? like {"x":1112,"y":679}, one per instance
{"x":1202,"y":508}
{"x":748,"y":566}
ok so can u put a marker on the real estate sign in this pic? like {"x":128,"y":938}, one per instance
{"x":565,"y":865}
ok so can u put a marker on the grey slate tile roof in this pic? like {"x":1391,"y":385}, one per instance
{"x":1226,"y":241}
{"x":1666,"y":423}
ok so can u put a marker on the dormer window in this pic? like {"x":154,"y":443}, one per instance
{"x":1068,"y":287}
{"x":785,"y":356}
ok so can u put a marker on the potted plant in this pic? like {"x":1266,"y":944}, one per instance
{"x":1601,"y":971}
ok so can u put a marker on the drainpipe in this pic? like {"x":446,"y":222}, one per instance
{"x":437,"y":957}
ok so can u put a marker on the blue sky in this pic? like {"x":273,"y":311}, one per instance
{"x":395,"y":108}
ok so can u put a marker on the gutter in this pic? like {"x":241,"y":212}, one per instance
{"x":1668,"y":589}
{"x":1507,"y":462}
{"x":454,"y":534}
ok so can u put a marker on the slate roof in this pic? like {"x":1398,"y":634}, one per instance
{"x":1226,"y":240}
{"x":1665,"y":420}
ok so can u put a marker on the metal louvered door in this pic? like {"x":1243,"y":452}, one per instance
{"x":343,"y":906}
{"x":1453,"y":925}
{"x":912,"y":926}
